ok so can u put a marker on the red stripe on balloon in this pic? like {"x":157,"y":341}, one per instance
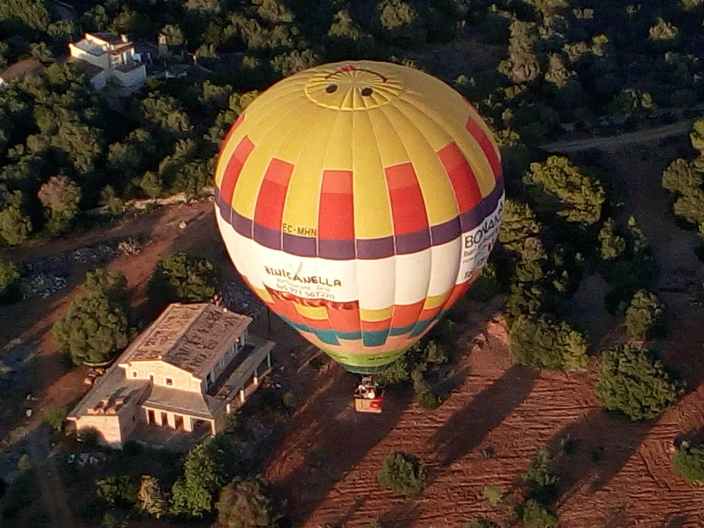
{"x":462,"y":177}
{"x":487,"y":147}
{"x":336,"y":212}
{"x":234,"y":127}
{"x":406,"y":314}
{"x":272,"y":195}
{"x":233,"y":169}
{"x":344,"y":319}
{"x":407,"y":205}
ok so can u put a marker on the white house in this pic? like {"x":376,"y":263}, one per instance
{"x":108,"y":56}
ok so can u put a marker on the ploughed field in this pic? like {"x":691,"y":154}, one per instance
{"x":617,"y":474}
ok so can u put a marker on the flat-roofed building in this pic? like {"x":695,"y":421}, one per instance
{"x":108,"y":56}
{"x":192,"y":367}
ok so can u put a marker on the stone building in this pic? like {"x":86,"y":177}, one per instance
{"x":192,"y":367}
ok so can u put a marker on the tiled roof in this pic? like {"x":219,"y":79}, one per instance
{"x":189,"y":336}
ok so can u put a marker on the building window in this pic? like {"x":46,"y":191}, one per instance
{"x":169,"y":381}
{"x":151,"y":377}
{"x":134,"y":373}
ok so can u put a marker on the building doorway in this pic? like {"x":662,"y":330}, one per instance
{"x":164,"y":419}
{"x":150,"y":417}
{"x":179,"y":422}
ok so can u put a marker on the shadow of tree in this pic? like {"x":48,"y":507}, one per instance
{"x":466,"y":429}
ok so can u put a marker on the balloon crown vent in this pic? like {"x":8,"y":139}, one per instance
{"x":352,"y":87}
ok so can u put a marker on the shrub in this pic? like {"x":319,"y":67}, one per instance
{"x":534,"y":515}
{"x":182,"y":278}
{"x":644,"y":315}
{"x":117,"y":490}
{"x":151,"y":498}
{"x":487,"y":285}
{"x":493,"y":494}
{"x":55,"y":416}
{"x":208,"y":466}
{"x":688,"y":463}
{"x":24,"y":463}
{"x":541,"y":481}
{"x":403,"y":473}
{"x":427,"y":399}
{"x":289,"y":400}
{"x":61,"y":197}
{"x":481,"y":523}
{"x":9,"y":281}
{"x":632,"y":382}
{"x":95,"y":326}
{"x":544,"y":343}
{"x":247,"y":504}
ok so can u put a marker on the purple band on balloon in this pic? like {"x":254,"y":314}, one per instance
{"x":369,"y":248}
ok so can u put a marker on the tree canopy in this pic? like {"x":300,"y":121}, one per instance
{"x":634,"y":383}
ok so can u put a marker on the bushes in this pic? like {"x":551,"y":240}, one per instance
{"x":403,"y":473}
{"x":543,"y":343}
{"x":9,"y":281}
{"x":644,"y":315}
{"x":208,"y":466}
{"x":535,"y":515}
{"x":632,"y":382}
{"x":117,"y":490}
{"x":55,"y":416}
{"x":182,"y":278}
{"x":151,"y":499}
{"x":541,"y":481}
{"x":688,"y":463}
{"x":95,"y":326}
{"x":247,"y":504}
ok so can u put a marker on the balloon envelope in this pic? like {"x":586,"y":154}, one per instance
{"x":359,"y":201}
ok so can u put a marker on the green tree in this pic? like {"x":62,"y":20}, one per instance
{"x":173,"y":35}
{"x":55,"y":416}
{"x":523,"y":64}
{"x":151,"y":184}
{"x":481,"y":523}
{"x":182,"y":278}
{"x":681,"y":178}
{"x":533,"y":514}
{"x":247,"y":504}
{"x":60,"y":197}
{"x":612,"y":244}
{"x":23,"y":14}
{"x":151,"y":499}
{"x":15,"y":224}
{"x":632,"y":382}
{"x":663,"y":30}
{"x":644,"y":315}
{"x":540,"y":478}
{"x":403,"y":473}
{"x":518,"y":224}
{"x":208,"y":466}
{"x":41,"y":52}
{"x":9,"y":281}
{"x":543,"y":343}
{"x":580,"y":194}
{"x":399,"y":21}
{"x":117,"y":490}
{"x":95,"y":326}
{"x":688,"y":463}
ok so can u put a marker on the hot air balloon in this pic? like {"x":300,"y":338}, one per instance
{"x":359,"y":201}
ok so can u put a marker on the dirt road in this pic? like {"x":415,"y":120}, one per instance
{"x":611,"y":143}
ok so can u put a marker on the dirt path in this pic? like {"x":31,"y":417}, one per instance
{"x":612,"y":143}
